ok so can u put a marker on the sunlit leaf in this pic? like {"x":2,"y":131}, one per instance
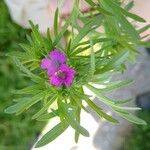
{"x":51,"y":135}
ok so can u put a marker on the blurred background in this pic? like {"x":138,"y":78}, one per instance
{"x":16,"y":132}
{"x":20,"y":132}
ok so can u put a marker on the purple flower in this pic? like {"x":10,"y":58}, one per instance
{"x":57,"y":58}
{"x":59,"y":72}
{"x":64,"y":75}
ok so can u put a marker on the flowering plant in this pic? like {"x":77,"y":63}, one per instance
{"x":76,"y":56}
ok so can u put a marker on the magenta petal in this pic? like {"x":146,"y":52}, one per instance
{"x":45,"y":63}
{"x":58,"y":56}
{"x":64,"y":67}
{"x":52,"y":68}
{"x":68,"y":81}
{"x":51,"y":71}
{"x":49,"y":65}
{"x":69,"y":74}
{"x":55,"y":80}
{"x":58,"y":72}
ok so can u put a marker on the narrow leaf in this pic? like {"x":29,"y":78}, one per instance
{"x":74,"y":124}
{"x":133,"y":119}
{"x":100,"y":112}
{"x":51,"y":135}
{"x":56,"y":22}
{"x":48,"y":116}
{"x":73,"y":16}
{"x":44,"y":108}
{"x":92,"y":60}
{"x":116,"y":85}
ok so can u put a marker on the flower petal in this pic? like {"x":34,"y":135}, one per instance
{"x":55,"y":80}
{"x":58,"y":56}
{"x":70,"y":72}
{"x":45,"y":63}
{"x":68,"y":81}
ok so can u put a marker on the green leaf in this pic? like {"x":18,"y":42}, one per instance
{"x":120,"y":110}
{"x":40,"y":45}
{"x":60,"y":111}
{"x":126,"y":13}
{"x":44,"y":108}
{"x":133,"y":118}
{"x":130,"y":30}
{"x":71,"y":120}
{"x":48,"y":116}
{"x":18,"y":107}
{"x":38,"y":37}
{"x":125,"y":24}
{"x":123,"y":101}
{"x":144,"y":43}
{"x":99,"y":95}
{"x":94,"y":41}
{"x":90,"y":25}
{"x":143,"y":29}
{"x":116,"y":85}
{"x":25,"y":47}
{"x":106,"y":12}
{"x":76,"y":99}
{"x":100,"y":112}
{"x":21,"y":55}
{"x":92,"y":70}
{"x":129,"y":5}
{"x":73,"y":16}
{"x":115,"y":62}
{"x":49,"y":39}
{"x":24,"y":104}
{"x":90,"y":2}
{"x":33,"y":77}
{"x":104,"y":99}
{"x":124,"y":110}
{"x":68,"y":47}
{"x":77,"y":134}
{"x":36,"y":33}
{"x":56,"y":22}
{"x":106,"y":76}
{"x":34,"y":89}
{"x":51,"y":135}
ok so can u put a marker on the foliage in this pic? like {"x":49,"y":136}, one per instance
{"x":96,"y":56}
{"x":140,"y":135}
{"x":12,"y":129}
